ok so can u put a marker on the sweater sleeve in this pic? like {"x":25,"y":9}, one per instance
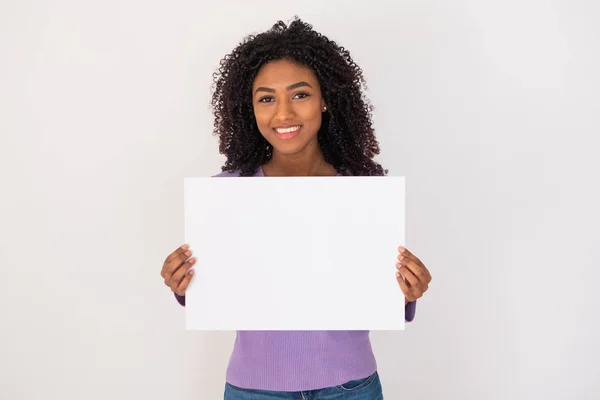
{"x":180,"y":299}
{"x":409,"y":311}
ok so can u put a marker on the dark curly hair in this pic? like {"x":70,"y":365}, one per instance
{"x":346,"y":135}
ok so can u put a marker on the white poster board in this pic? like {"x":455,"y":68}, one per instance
{"x":295,"y":253}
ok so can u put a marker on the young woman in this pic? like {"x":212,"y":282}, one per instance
{"x":288,"y":102}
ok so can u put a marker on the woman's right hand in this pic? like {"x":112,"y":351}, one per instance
{"x":175,"y":268}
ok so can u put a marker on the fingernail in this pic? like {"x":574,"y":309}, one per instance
{"x":400,"y":258}
{"x":192,"y":272}
{"x":192,"y":260}
{"x":397,"y":274}
{"x":402,"y":249}
{"x":188,"y":253}
{"x":185,"y":246}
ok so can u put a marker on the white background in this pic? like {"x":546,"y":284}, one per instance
{"x":490,"y":109}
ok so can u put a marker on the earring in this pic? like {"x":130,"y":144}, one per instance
{"x":324,"y":108}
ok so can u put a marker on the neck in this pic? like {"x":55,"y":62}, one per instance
{"x":310,"y":162}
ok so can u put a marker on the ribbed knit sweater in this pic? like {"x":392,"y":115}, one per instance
{"x":300,"y":360}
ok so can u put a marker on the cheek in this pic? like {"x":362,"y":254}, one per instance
{"x":313,"y":115}
{"x":263,"y":118}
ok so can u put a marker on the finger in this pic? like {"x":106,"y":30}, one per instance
{"x":180,"y":273}
{"x":403,"y":285}
{"x":426,"y":274}
{"x":406,"y":253}
{"x":417,"y":287}
{"x":415,"y":268}
{"x":174,"y":257}
{"x":184,"y":283}
{"x":408,"y":275}
{"x":172,"y":268}
{"x":178,"y":262}
{"x":408,"y":291}
{"x":177,"y":252}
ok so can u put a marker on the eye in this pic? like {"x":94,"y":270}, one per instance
{"x":301,"y":95}
{"x":266,"y":99}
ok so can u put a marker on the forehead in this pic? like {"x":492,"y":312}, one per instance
{"x":283,"y":73}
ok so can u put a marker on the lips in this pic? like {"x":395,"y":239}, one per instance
{"x":287,"y":132}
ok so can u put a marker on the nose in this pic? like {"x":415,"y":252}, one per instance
{"x":284,"y":110}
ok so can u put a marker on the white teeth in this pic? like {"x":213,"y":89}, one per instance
{"x":288,"y":130}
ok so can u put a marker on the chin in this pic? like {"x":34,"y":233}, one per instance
{"x":291,"y":146}
{"x":288,"y":149}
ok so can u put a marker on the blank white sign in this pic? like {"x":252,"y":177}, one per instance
{"x":295,"y":253}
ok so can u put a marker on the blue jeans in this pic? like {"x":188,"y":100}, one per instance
{"x":368,"y":388}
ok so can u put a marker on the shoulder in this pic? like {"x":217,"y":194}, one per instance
{"x":236,"y":173}
{"x":227,"y":174}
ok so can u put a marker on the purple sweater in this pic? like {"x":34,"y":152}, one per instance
{"x":300,"y":360}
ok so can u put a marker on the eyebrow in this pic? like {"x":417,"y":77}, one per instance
{"x":294,"y":86}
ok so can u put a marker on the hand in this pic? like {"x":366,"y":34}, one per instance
{"x":175,"y":268}
{"x":412,"y":276}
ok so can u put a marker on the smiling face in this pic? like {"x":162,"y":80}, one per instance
{"x":287,"y":106}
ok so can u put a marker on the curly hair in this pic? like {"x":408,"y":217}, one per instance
{"x":346,"y":135}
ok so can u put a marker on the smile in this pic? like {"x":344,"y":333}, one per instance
{"x":287,"y":133}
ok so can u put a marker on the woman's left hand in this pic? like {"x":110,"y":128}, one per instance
{"x":413,"y":277}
